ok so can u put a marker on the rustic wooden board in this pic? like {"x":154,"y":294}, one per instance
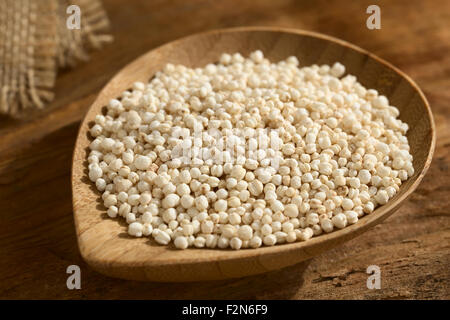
{"x":37,"y":235}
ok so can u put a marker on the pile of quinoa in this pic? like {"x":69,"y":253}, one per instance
{"x":247,"y":153}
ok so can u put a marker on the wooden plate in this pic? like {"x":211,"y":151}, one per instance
{"x":105,"y":244}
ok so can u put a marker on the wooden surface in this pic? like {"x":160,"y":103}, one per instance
{"x":103,"y":242}
{"x":37,"y":235}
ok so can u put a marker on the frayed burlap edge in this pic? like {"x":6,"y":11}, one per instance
{"x":34,"y":41}
{"x":27,"y":54}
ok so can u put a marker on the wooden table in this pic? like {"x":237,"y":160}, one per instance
{"x":37,"y":237}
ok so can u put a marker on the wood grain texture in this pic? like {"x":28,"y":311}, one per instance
{"x":37,"y":233}
{"x":104,"y":243}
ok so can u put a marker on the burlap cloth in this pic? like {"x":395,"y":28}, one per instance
{"x":35,"y":41}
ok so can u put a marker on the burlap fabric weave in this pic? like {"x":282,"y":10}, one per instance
{"x":35,"y":41}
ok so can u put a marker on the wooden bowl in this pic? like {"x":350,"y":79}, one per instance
{"x":105,"y":244}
